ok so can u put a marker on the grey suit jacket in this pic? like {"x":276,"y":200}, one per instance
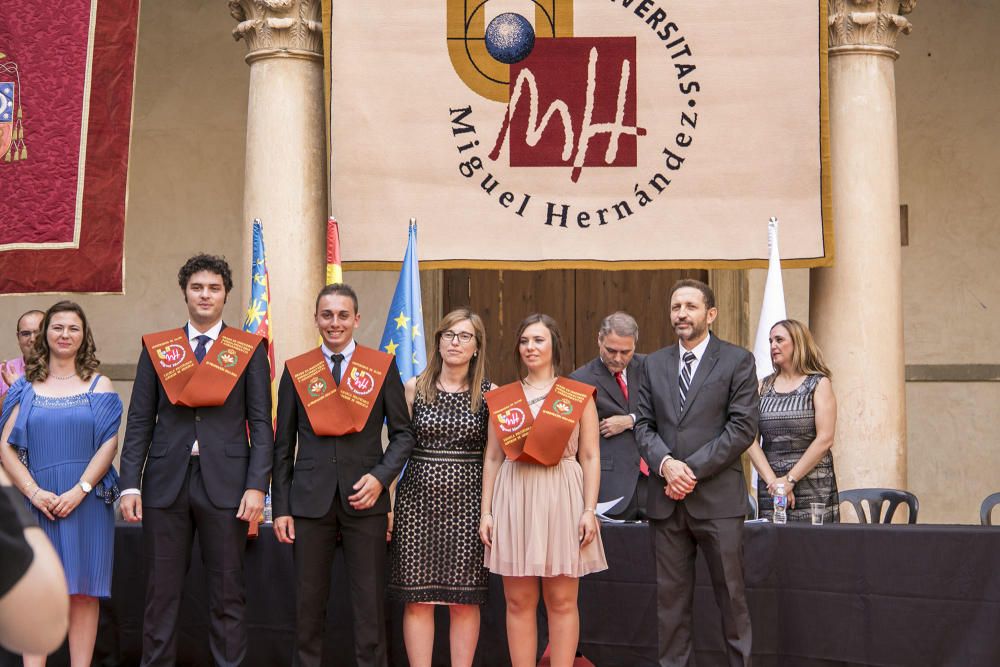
{"x":718,"y":423}
{"x":619,"y":454}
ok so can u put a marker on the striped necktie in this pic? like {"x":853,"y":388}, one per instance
{"x":684,"y":381}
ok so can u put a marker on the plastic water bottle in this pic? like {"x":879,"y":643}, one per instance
{"x":268,"y":512}
{"x":780,"y":504}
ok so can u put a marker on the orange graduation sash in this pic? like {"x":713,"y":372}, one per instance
{"x":209,"y":383}
{"x":334,"y":410}
{"x":540,"y":439}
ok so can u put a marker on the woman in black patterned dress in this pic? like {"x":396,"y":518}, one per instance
{"x":437,"y":557}
{"x":798,"y":414}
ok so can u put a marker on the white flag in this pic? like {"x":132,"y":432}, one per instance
{"x":772,"y":310}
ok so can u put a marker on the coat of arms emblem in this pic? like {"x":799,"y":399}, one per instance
{"x":12,"y":147}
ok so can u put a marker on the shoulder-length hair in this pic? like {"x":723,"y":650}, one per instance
{"x":36,"y":367}
{"x":554,"y":333}
{"x":427,"y":381}
{"x":807,"y":359}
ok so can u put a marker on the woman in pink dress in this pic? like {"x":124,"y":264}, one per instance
{"x":537,"y":521}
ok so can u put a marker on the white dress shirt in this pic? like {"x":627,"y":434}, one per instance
{"x":348,"y":352}
{"x":213,"y":335}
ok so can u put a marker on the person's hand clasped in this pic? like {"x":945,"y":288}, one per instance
{"x":612,"y":426}
{"x":486,"y":529}
{"x":368,"y":490}
{"x":587,"y":528}
{"x":251,"y":505}
{"x":131,"y":507}
{"x":65,"y":503}
{"x":284,"y":529}
{"x":680,"y":479}
{"x":44,"y":501}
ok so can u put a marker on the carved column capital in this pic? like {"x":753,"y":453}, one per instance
{"x":279,"y":28}
{"x":868,"y":26}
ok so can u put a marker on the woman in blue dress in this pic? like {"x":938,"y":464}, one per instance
{"x":59,"y":436}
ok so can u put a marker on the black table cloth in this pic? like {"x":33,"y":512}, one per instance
{"x":820,"y":596}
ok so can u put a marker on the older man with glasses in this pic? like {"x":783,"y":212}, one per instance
{"x":27,"y":329}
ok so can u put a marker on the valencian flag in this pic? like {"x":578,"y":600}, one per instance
{"x":404,"y":327}
{"x":334,"y":274}
{"x":258,"y":319}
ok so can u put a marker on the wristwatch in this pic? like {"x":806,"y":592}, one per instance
{"x":87,"y":488}
{"x":791,"y":479}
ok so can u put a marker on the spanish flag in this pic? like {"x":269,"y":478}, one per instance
{"x":334,"y":274}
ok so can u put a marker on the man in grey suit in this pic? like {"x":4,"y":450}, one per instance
{"x":697,"y":413}
{"x":615,"y":372}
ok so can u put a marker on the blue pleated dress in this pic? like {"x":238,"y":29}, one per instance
{"x":60,"y":436}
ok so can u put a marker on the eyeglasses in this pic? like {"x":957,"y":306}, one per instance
{"x":26,"y":334}
{"x":463,"y":336}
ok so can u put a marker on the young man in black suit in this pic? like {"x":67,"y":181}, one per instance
{"x":616,"y":372}
{"x":698,"y":409}
{"x":332,"y":404}
{"x":198,"y":392}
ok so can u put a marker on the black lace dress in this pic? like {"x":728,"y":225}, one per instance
{"x":787,"y":428}
{"x":436,"y":553}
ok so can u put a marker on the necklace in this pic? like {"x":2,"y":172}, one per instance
{"x":63,"y":377}
{"x":525,"y":381}
{"x":445,"y":388}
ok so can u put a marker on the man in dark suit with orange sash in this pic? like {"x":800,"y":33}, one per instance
{"x":198,"y":392}
{"x":332,"y":403}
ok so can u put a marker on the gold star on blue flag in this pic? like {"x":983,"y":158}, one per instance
{"x":404,"y":326}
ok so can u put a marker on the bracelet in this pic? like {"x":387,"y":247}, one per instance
{"x":590,"y":509}
{"x":487,"y":514}
{"x":28,"y":485}
{"x":32,"y":498}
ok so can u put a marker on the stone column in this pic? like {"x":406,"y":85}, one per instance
{"x":285,"y":183}
{"x":856,"y":306}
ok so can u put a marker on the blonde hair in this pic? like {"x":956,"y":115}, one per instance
{"x":427,"y":381}
{"x":807,"y":359}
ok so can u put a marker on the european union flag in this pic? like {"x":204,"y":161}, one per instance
{"x":404,"y":327}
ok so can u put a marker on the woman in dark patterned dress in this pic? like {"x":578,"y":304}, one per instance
{"x":798,"y":413}
{"x":437,"y":557}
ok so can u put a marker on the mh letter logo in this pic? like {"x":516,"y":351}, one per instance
{"x":573,"y":103}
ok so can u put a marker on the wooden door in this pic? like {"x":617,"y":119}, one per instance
{"x":578,"y":300}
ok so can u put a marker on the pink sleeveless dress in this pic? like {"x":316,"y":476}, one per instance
{"x":536,"y":515}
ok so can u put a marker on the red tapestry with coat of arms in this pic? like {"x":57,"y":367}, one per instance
{"x":66,"y":74}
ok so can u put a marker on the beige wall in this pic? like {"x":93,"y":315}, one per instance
{"x":948,"y":105}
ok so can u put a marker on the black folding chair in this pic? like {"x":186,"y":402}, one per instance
{"x":878,"y":498}
{"x":989,"y":503}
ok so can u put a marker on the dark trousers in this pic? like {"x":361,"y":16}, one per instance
{"x":168,"y":534}
{"x":636,"y":508}
{"x":675,"y":540}
{"x":363,"y":541}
